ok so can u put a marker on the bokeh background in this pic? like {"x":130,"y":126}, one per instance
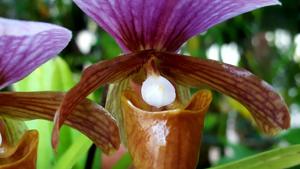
{"x":266,"y":42}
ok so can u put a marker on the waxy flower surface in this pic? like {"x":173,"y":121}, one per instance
{"x":149,"y":91}
{"x":23,"y":47}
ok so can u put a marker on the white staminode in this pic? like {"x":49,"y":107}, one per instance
{"x":158,"y":91}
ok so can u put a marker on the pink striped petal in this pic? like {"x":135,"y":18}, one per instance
{"x":162,"y":24}
{"x":26,"y":45}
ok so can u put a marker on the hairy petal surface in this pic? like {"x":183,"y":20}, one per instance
{"x":266,"y":106}
{"x":26,"y":45}
{"x":162,"y":24}
{"x":89,"y":118}
{"x":94,"y":76}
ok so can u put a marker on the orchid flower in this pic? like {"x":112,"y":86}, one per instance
{"x":149,"y":84}
{"x":23,"y":47}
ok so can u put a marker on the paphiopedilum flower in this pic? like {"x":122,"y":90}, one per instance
{"x":23,"y":47}
{"x":149,"y":84}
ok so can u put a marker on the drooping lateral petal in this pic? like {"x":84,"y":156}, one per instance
{"x":26,"y":45}
{"x":89,"y":118}
{"x":266,"y":106}
{"x":94,"y":76}
{"x":25,"y":153}
{"x":162,"y":24}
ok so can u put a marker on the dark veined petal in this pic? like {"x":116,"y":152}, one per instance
{"x":266,"y":106}
{"x":94,"y":76}
{"x":163,"y":24}
{"x":26,"y":45}
{"x":24,"y":154}
{"x":89,"y":118}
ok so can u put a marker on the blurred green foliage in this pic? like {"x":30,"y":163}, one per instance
{"x":55,"y":75}
{"x":266,"y":44}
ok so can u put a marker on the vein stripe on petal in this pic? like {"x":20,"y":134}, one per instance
{"x":267,"y":107}
{"x":93,"y":77}
{"x":26,"y":45}
{"x":162,"y":25}
{"x":89,"y":118}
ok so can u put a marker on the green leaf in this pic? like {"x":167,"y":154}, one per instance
{"x":291,"y":135}
{"x":124,"y":162}
{"x":274,"y":159}
{"x":110,"y":48}
{"x":97,"y":163}
{"x":55,"y":75}
{"x":210,"y":121}
{"x":45,"y":156}
{"x":74,"y":153}
{"x":239,"y":152}
{"x":62,"y":75}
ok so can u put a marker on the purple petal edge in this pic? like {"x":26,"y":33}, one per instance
{"x":25,"y":45}
{"x":163,"y":25}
